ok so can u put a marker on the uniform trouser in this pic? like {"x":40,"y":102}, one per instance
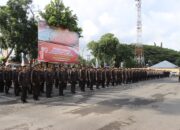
{"x":91,"y":83}
{"x":73,"y":87}
{"x":107,"y":83}
{"x":120,"y":81}
{"x":16,"y":89}
{"x":129,"y":80}
{"x":61,"y":88}
{"x":82,"y":85}
{"x":125,"y":80}
{"x":30,"y":86}
{"x":1,"y":87}
{"x":42,"y":87}
{"x":48,"y":89}
{"x":103,"y":83}
{"x":98,"y":82}
{"x":113,"y":80}
{"x":24,"y":93}
{"x":36,"y":91}
{"x":56,"y":83}
{"x":65,"y":85}
{"x":88,"y":83}
{"x":7,"y":86}
{"x":117,"y":82}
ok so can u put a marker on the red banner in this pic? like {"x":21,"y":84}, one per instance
{"x":57,"y":35}
{"x":49,"y":52}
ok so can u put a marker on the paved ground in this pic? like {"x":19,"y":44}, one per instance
{"x":149,"y":105}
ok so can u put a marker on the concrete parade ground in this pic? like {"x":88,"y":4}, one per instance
{"x":147,"y":105}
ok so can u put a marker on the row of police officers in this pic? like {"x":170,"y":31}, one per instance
{"x":39,"y":80}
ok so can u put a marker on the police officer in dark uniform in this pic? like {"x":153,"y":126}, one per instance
{"x":23,"y":79}
{"x":42,"y":80}
{"x":98,"y":78}
{"x":82,"y":79}
{"x":62,"y":80}
{"x":1,"y":80}
{"x":120,"y":76}
{"x":103,"y":77}
{"x":35,"y":79}
{"x":116,"y":76}
{"x":108,"y":77}
{"x":113,"y":76}
{"x":8,"y":79}
{"x":29,"y":83}
{"x":73,"y":79}
{"x":91,"y":75}
{"x":49,"y":81}
{"x":56,"y":78}
{"x":17,"y":88}
{"x":87,"y":77}
{"x":66,"y":77}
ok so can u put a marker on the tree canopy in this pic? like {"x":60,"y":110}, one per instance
{"x":155,"y":54}
{"x":104,"y":49}
{"x":58,"y":15}
{"x":18,"y":31}
{"x":108,"y":49}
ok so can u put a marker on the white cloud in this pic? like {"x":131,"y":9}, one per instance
{"x":89,"y":29}
{"x":161,"y":20}
{"x":105,"y":19}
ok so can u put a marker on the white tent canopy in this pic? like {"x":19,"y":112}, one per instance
{"x":164,"y":64}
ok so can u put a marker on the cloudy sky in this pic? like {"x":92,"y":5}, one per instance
{"x":161,"y":20}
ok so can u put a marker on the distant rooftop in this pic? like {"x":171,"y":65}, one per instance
{"x":164,"y":64}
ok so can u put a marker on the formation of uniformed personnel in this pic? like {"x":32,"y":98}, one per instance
{"x":38,"y":80}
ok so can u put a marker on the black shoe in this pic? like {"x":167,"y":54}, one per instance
{"x":24,"y":101}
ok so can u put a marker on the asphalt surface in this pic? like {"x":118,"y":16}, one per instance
{"x":147,"y":105}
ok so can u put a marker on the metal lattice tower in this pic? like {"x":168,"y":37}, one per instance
{"x":139,"y":52}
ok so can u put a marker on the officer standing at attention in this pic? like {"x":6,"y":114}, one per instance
{"x":16,"y":82}
{"x":91,"y":76}
{"x":8,"y":79}
{"x":35,"y":79}
{"x":23,"y":79}
{"x":62,"y":81}
{"x":73,"y":79}
{"x":49,"y":81}
{"x":82,"y":79}
{"x":1,"y":80}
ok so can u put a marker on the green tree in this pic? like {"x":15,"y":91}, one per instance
{"x":56,"y":14}
{"x":104,"y":49}
{"x":177,"y":61}
{"x":124,"y":53}
{"x":130,"y":63}
{"x":82,"y":61}
{"x":157,"y":54}
{"x":18,"y":30}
